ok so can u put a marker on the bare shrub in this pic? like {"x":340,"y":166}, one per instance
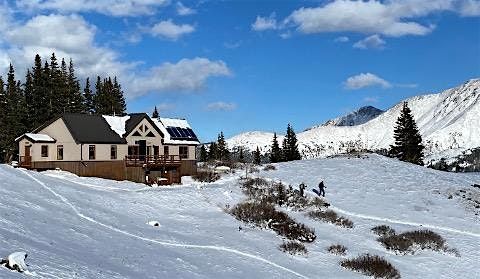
{"x":408,"y":242}
{"x":269,"y":168}
{"x":293,"y":248}
{"x":264,"y":214}
{"x":331,"y":216}
{"x":206,"y":176}
{"x":383,"y":230}
{"x":337,"y":249}
{"x":372,"y":265}
{"x":253,"y":170}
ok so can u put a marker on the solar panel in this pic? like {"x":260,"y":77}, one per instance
{"x":182,"y":133}
{"x":178,"y":133}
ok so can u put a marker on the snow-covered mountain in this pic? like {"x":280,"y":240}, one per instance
{"x":448,"y":121}
{"x":360,"y":116}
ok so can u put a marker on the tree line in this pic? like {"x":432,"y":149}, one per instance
{"x":50,"y":88}
{"x":407,"y":147}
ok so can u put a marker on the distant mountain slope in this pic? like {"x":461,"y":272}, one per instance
{"x":448,"y":121}
{"x":358,"y":117}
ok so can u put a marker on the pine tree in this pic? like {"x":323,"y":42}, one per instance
{"x":119,"y":104}
{"x":29,"y":100}
{"x":3,"y":122}
{"x":99,"y":99}
{"x":275,"y":152}
{"x":241,"y":156}
{"x":40,"y":97}
{"x":155,"y":113}
{"x":57,"y":90}
{"x":223,"y":152}
{"x":77,"y":101}
{"x":408,"y":141}
{"x":290,"y":146}
{"x":89,"y":105}
{"x":213,"y":151}
{"x":203,"y":154}
{"x":257,"y":158}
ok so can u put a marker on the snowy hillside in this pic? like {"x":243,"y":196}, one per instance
{"x":73,"y":227}
{"x":448,"y":121}
{"x":360,"y":116}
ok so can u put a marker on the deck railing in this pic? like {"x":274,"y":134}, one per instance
{"x":152,"y":160}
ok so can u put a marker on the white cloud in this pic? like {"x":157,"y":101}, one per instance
{"x":185,"y":75}
{"x":221,"y":106}
{"x":389,"y":18}
{"x":184,"y":10}
{"x":374,"y":41}
{"x":365,"y":80}
{"x":370,"y":100}
{"x":108,"y":7}
{"x":265,"y":23}
{"x":75,"y":38}
{"x":470,"y":8}
{"x":342,"y":39}
{"x":169,"y":30}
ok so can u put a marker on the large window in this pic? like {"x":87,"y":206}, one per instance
{"x":60,"y":152}
{"x":44,"y":151}
{"x":91,"y":152}
{"x":113,"y":152}
{"x":183,"y":151}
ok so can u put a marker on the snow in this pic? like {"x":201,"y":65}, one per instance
{"x":37,"y":137}
{"x":449,"y":123}
{"x":18,"y":259}
{"x":360,"y":116}
{"x":117,"y":123}
{"x":79,"y":227}
{"x":163,"y":123}
{"x":174,"y":122}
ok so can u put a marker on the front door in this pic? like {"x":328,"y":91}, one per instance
{"x":142,"y":146}
{"x":28,"y":159}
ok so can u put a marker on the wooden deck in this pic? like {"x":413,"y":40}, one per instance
{"x":152,"y":161}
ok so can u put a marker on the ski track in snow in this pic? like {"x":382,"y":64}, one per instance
{"x":193,"y":246}
{"x":369,"y":217}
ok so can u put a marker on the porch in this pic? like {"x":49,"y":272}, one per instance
{"x":153,"y":161}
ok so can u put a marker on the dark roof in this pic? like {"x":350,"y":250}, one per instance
{"x":87,"y":128}
{"x":135,"y":119}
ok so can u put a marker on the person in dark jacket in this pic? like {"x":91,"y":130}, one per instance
{"x":321,"y":189}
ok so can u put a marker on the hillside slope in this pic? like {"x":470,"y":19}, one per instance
{"x":74,"y":227}
{"x":357,"y":117}
{"x":448,"y":121}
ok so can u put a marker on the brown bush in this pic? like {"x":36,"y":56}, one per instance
{"x":331,"y":216}
{"x":408,"y":242}
{"x":206,"y":176}
{"x":269,"y":168}
{"x":370,"y":265}
{"x":383,"y":230}
{"x":293,"y":248}
{"x":337,"y":249}
{"x":264,"y":214}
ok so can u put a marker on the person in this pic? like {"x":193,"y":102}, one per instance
{"x":321,"y":188}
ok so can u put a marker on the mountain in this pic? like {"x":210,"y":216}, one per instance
{"x":448,"y":121}
{"x":360,"y":116}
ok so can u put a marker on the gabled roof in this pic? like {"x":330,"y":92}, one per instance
{"x":36,"y":138}
{"x":88,"y":128}
{"x":135,"y":119}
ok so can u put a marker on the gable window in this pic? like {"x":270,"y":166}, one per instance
{"x":183,"y":150}
{"x":113,"y":152}
{"x":91,"y":152}
{"x":60,"y":152}
{"x":44,"y":151}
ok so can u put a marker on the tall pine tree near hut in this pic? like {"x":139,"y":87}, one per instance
{"x":223,"y":154}
{"x":275,"y":152}
{"x":408,"y":145}
{"x":290,"y":146}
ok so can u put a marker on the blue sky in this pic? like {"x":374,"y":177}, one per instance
{"x":237,"y":66}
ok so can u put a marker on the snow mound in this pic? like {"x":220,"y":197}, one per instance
{"x":154,"y":223}
{"x":16,"y":261}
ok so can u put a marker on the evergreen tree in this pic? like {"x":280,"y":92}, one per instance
{"x":56,"y":88}
{"x":213,"y":151}
{"x":275,"y":152}
{"x":77,"y":101}
{"x":40,"y":113}
{"x":290,"y":150}
{"x":257,"y":158}
{"x":203,"y":154}
{"x":89,"y":105}
{"x":241,"y":156}
{"x":29,"y":100}
{"x":100,"y":98}
{"x":155,"y":113}
{"x":119,"y":104}
{"x":408,"y":141}
{"x":3,"y":122}
{"x":223,"y":152}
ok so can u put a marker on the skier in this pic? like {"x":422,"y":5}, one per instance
{"x":321,"y":188}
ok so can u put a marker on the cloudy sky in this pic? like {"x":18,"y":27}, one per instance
{"x":252,"y":65}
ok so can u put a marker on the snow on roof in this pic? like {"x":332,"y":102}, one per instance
{"x":37,"y":137}
{"x":173,"y":122}
{"x":117,"y":123}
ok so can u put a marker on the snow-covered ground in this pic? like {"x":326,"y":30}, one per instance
{"x":448,"y":121}
{"x":75,"y":227}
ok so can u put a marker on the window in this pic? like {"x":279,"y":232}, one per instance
{"x":44,"y":151}
{"x":165,"y":151}
{"x":155,"y":150}
{"x":91,"y":152}
{"x":113,"y":152}
{"x":183,"y":150}
{"x":133,"y":150}
{"x":60,"y":152}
